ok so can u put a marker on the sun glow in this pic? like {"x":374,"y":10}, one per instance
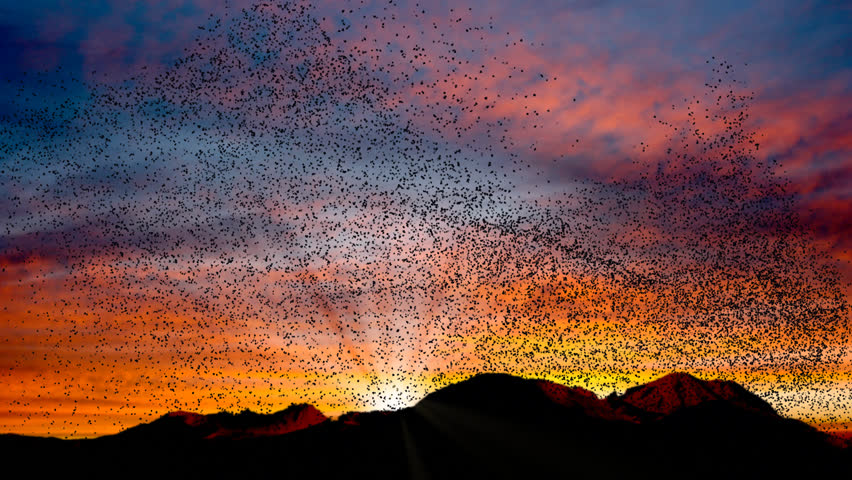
{"x":394,"y":395}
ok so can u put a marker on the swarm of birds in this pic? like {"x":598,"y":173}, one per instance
{"x":328,"y":209}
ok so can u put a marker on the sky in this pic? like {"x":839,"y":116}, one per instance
{"x":211,"y":206}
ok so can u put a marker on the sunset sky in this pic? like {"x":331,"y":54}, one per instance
{"x":351,"y":204}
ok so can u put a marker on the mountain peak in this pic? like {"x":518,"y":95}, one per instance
{"x":188,"y":418}
{"x":244,"y":424}
{"x":680,"y":390}
{"x":496,"y":393}
{"x":508,"y":395}
{"x":293,"y":418}
{"x":481,"y":389}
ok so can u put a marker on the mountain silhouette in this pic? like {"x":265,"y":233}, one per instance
{"x":678,"y":391}
{"x":508,"y":397}
{"x":246,"y":424}
{"x":490,"y":425}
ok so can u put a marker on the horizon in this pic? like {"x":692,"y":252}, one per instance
{"x":838,"y":431}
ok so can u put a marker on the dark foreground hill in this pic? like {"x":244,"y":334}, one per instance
{"x":489,"y":426}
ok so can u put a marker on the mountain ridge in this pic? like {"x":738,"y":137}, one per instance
{"x":650,"y":401}
{"x":493,"y":425}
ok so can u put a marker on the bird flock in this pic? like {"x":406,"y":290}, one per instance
{"x":326,"y":209}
